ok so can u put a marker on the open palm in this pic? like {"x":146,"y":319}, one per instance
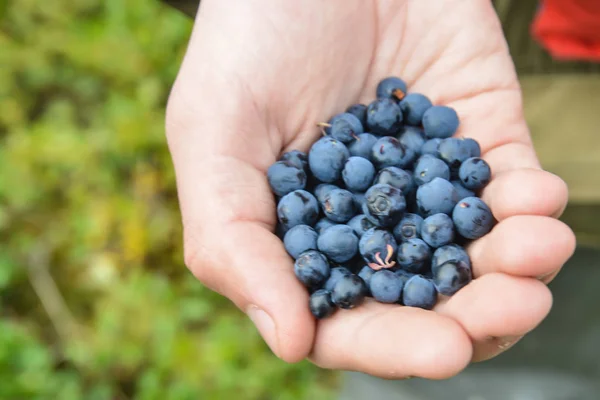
{"x":257,"y":77}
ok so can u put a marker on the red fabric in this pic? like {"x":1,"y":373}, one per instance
{"x":569,"y":29}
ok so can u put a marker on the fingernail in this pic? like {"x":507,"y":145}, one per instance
{"x":545,"y":277}
{"x":265,"y":325}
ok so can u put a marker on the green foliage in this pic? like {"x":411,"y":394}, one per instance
{"x":87,"y":190}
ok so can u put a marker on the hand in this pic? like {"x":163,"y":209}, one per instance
{"x":259,"y":74}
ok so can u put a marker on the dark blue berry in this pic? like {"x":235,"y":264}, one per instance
{"x":450,"y":252}
{"x":409,"y":227}
{"x":349,"y":292}
{"x":365,"y":274}
{"x":452,"y":276}
{"x":358,"y":174}
{"x":297,"y":208}
{"x":323,"y":224}
{"x":413,"y":139}
{"x":454,"y":151}
{"x":397,"y":178}
{"x":338,"y":205}
{"x":320,"y":304}
{"x":391,"y":88}
{"x":335,"y":275}
{"x":359,"y":199}
{"x":404,"y":275}
{"x":384,"y":117}
{"x":386,"y":286}
{"x":326,"y":159}
{"x":428,"y":167}
{"x":361,"y":147}
{"x":360,"y":224}
{"x":419,"y":292}
{"x":322,"y":190}
{"x":413,"y":107}
{"x":384,"y":205}
{"x":299,"y":239}
{"x":389,"y":152}
{"x":437,"y":196}
{"x":345,"y":127}
{"x":414,"y":255}
{"x":378,"y":248}
{"x":440,"y":122}
{"x":461,"y":190}
{"x":284,"y":177}
{"x":359,"y":111}
{"x":437,"y":230}
{"x":474,"y":173}
{"x":297,"y":158}
{"x":472,"y":218}
{"x":432,"y":147}
{"x":338,"y":243}
{"x":473,"y":146}
{"x":312,"y":269}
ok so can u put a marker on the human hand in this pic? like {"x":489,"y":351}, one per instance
{"x":259,"y":74}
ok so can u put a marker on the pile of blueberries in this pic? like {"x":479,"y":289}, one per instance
{"x":383,"y":204}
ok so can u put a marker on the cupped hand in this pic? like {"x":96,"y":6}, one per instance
{"x":259,"y":74}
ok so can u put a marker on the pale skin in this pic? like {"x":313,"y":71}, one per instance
{"x":257,"y":78}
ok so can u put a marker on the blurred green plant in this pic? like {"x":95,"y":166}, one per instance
{"x":94,"y":298}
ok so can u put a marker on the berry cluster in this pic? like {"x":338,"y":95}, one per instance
{"x":385,"y":213}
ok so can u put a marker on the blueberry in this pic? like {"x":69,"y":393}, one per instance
{"x":409,"y":227}
{"x":450,"y":252}
{"x":297,"y":158}
{"x":461,"y":190}
{"x":378,"y":248}
{"x":320,"y":304}
{"x":428,"y":167}
{"x":358,"y":174}
{"x":349,"y":292}
{"x":360,"y":224}
{"x":452,"y":276}
{"x":299,"y":239}
{"x":338,"y":205}
{"x":326,"y":159}
{"x":437,"y":230}
{"x":365,"y":274}
{"x":359,"y":199}
{"x":391,"y":88}
{"x":323,"y":224}
{"x":413,"y":138}
{"x":414,"y":255}
{"x":419,"y":292}
{"x":312,"y":269}
{"x":384,"y":117}
{"x":361,"y":147}
{"x":397,"y":178}
{"x":359,"y":111}
{"x":297,"y":208}
{"x":437,"y":196}
{"x":474,"y":173}
{"x":322,"y":190}
{"x":335,"y":275}
{"x":345,"y":127}
{"x":403,"y":275}
{"x":386,"y":286}
{"x":454,"y":151}
{"x":384,"y":205}
{"x":284,"y":177}
{"x":389,"y":152}
{"x":338,"y":243}
{"x":440,"y":122}
{"x":472,"y":218}
{"x":413,"y":108}
{"x":431,"y":147}
{"x":473,"y":146}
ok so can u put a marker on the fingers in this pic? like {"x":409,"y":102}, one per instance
{"x":523,"y":245}
{"x":526,"y":192}
{"x":498,"y":305}
{"x":247,"y":263}
{"x":392,"y":342}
